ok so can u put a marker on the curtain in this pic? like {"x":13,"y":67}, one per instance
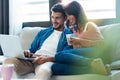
{"x":4,"y":16}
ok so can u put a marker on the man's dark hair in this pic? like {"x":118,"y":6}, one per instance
{"x":58,"y":8}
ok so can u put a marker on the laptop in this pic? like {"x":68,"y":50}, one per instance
{"x":11,"y":46}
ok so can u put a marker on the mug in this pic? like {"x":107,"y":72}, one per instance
{"x":7,"y":71}
{"x":68,"y":36}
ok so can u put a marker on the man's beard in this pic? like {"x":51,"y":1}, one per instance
{"x":60,"y":26}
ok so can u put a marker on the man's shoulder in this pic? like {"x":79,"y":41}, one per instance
{"x":45,"y":29}
{"x":67,"y":30}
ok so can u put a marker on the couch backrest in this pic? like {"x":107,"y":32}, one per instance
{"x":27,"y":35}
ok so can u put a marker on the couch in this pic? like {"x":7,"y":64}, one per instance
{"x":112,"y":52}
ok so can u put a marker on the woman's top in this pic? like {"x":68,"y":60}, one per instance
{"x":89,"y":37}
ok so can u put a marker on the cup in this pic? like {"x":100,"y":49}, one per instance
{"x":68,"y":36}
{"x":7,"y":71}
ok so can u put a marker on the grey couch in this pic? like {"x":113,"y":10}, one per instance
{"x":112,"y":53}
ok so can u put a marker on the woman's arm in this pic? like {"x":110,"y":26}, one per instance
{"x":78,"y":43}
{"x":90,"y":37}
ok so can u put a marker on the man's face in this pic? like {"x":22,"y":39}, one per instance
{"x":57,"y":20}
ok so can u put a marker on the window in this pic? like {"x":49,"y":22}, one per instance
{"x":27,"y":11}
{"x":98,"y":9}
{"x":38,"y":11}
{"x":35,"y":10}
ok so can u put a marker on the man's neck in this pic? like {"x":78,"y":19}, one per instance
{"x":59,"y":29}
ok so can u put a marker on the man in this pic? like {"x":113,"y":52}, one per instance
{"x":46,"y":44}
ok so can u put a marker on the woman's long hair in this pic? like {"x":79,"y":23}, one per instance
{"x":75,"y":8}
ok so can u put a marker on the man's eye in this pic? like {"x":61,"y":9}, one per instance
{"x":58,"y":17}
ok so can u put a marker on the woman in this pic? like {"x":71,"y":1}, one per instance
{"x":88,"y":33}
{"x":86,"y":46}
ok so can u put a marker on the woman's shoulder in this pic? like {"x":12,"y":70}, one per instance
{"x":91,"y":25}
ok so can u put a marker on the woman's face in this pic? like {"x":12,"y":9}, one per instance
{"x":72,"y":19}
{"x":72,"y":23}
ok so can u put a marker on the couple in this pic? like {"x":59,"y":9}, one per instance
{"x":52,"y":51}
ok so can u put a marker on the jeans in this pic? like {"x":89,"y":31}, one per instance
{"x":74,"y":61}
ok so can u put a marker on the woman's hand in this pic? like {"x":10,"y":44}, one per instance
{"x":78,"y":42}
{"x":75,"y":42}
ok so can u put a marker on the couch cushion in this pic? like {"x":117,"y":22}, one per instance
{"x":112,"y":41}
{"x":115,"y":75}
{"x":115,"y":65}
{"x":27,"y":35}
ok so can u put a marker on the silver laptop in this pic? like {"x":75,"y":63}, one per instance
{"x":11,"y":46}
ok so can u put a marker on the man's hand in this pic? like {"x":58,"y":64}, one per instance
{"x":40,"y":59}
{"x":28,"y":54}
